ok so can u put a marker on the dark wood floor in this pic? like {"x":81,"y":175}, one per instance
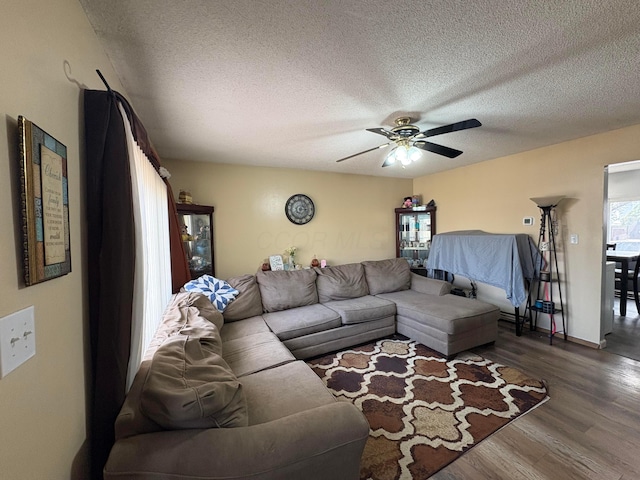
{"x":625,"y":338}
{"x":589,"y":429}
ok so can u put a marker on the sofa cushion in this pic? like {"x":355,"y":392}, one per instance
{"x":362,"y":309}
{"x":247,"y":303}
{"x":297,"y":322}
{"x":450,"y":314}
{"x":186,"y":309}
{"x":219,"y":292}
{"x":244,"y":328}
{"x":340,"y":338}
{"x":186,"y":305}
{"x":389,"y":275}
{"x":264,"y":392}
{"x":189,"y":385}
{"x":260,"y":351}
{"x":283,"y":289}
{"x":341,"y":282}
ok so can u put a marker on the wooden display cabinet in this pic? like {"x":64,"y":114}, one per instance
{"x":196,"y":223}
{"x":414,"y":230}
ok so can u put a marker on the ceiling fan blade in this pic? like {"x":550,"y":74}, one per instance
{"x":366,"y":151}
{"x":463,"y":125}
{"x":382,"y":131}
{"x":388,"y":161}
{"x":439,"y":149}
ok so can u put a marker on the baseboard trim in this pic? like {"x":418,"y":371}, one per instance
{"x":511,"y":318}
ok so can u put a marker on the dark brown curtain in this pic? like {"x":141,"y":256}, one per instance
{"x":111,"y":259}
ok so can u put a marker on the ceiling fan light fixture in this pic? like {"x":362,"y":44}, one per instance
{"x":390,"y":159}
{"x":414,"y":153}
{"x":401,"y":155}
{"x":407,"y":144}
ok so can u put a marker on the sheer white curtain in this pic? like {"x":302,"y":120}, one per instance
{"x":152,"y":289}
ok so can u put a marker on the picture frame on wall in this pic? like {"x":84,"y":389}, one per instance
{"x":44,"y":205}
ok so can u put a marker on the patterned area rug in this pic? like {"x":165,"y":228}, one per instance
{"x":424,"y":411}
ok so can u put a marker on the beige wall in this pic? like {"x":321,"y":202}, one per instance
{"x":354,"y":217}
{"x":494,"y":196}
{"x":42,"y":403}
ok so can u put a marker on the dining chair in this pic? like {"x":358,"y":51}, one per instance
{"x":618,"y":274}
{"x":632,"y":282}
{"x":636,"y":280}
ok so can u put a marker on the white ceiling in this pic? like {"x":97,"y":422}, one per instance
{"x":294,"y":83}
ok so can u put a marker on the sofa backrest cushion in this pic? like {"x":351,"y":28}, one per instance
{"x":248,"y":303}
{"x":187,"y":314}
{"x":189,"y":385}
{"x":384,"y":276}
{"x":183,"y":309}
{"x":341,"y":282}
{"x":283,"y":289}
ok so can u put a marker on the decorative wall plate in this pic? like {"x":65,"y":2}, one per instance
{"x":299,"y":209}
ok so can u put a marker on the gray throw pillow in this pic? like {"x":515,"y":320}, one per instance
{"x":247,"y":303}
{"x":283,"y":289}
{"x":384,"y":276}
{"x":341,"y":282}
{"x":189,"y":385}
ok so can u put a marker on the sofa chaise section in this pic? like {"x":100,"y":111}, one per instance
{"x":446,"y":323}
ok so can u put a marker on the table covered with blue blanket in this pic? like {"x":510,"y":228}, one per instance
{"x":501,"y":260}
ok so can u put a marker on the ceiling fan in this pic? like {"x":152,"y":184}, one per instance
{"x":407,"y":141}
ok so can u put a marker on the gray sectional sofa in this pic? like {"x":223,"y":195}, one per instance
{"x":226,"y":396}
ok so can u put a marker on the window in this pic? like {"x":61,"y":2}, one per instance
{"x":624,"y":221}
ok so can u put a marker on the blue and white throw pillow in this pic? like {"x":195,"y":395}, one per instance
{"x":219,"y":292}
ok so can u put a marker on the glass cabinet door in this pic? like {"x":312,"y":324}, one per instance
{"x":196,"y":228}
{"x":415,"y":229}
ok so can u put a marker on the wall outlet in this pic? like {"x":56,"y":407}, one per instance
{"x":17,"y":340}
{"x":573,"y":239}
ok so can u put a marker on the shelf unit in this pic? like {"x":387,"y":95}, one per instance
{"x":197,"y":237}
{"x":541,"y":289}
{"x":415,"y":227}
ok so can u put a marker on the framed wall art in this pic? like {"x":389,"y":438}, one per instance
{"x":44,"y":204}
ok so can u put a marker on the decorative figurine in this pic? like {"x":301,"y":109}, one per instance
{"x":185,"y":197}
{"x":184,"y":233}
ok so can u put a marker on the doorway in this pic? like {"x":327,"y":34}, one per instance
{"x":622,"y":232}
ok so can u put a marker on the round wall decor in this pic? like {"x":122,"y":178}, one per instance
{"x":299,"y":209}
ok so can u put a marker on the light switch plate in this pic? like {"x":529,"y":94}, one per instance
{"x":17,"y":340}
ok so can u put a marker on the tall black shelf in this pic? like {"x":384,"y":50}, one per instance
{"x":547,"y":273}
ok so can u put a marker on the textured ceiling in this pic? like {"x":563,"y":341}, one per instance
{"x":295,"y":83}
